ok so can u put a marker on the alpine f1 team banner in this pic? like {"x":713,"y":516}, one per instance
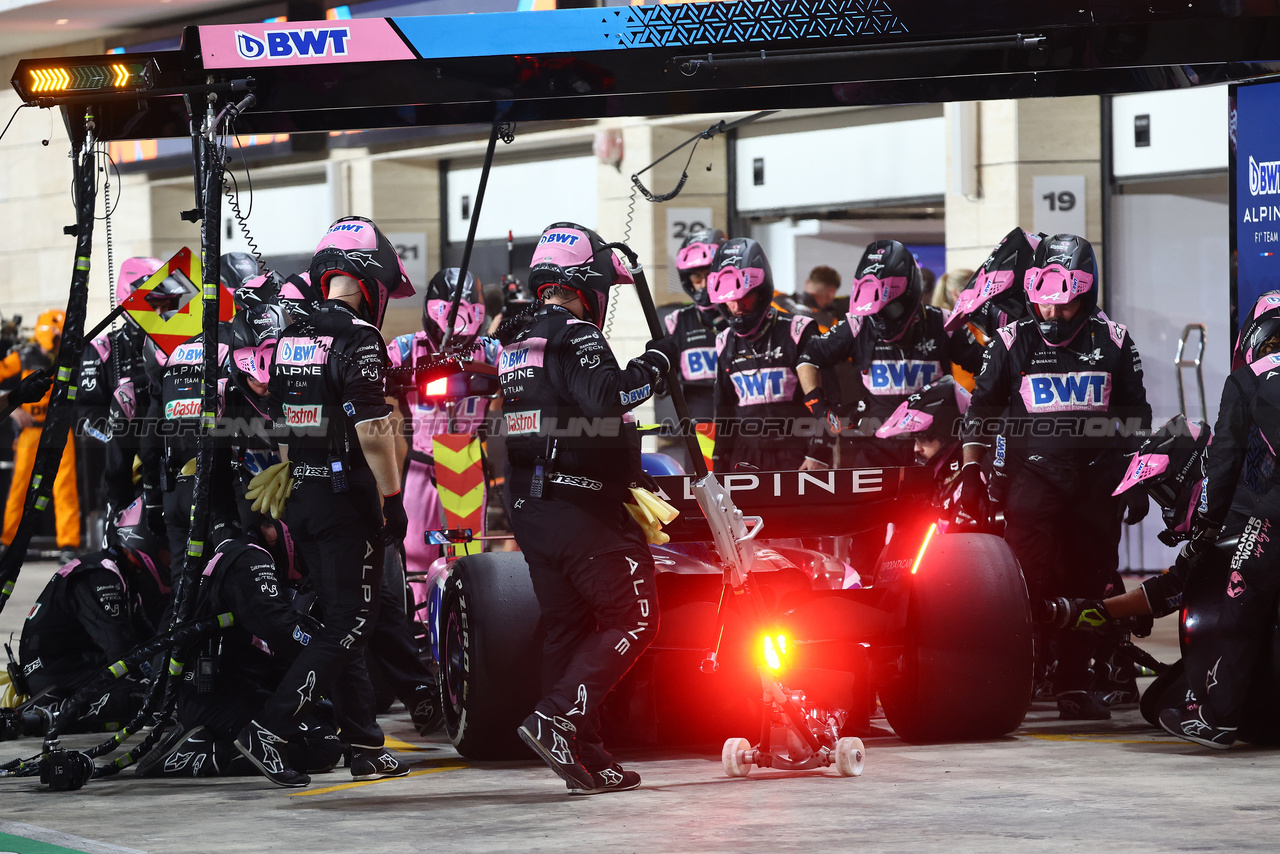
{"x":1254,"y":129}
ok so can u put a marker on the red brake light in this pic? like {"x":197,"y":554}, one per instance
{"x":437,"y":388}
{"x":928,"y":535}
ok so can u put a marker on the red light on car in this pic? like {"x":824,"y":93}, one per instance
{"x":928,"y":535}
{"x":437,"y":388}
{"x":774,"y":648}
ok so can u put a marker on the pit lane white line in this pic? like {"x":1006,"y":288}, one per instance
{"x":66,"y":840}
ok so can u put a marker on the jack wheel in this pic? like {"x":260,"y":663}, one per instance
{"x":734,"y":757}
{"x":850,"y":757}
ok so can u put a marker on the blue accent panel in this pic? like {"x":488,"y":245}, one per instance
{"x":619,"y":28}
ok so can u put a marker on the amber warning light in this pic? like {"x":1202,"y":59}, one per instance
{"x":53,"y":81}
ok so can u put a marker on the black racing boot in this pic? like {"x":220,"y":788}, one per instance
{"x":1082,"y":706}
{"x":615,"y":778}
{"x":555,"y":740}
{"x":151,"y":764}
{"x":1115,"y":680}
{"x":424,"y":710}
{"x":375,"y":763}
{"x":263,"y":748}
{"x":1187,"y":721}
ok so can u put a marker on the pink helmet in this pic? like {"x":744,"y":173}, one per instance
{"x":573,"y":256}
{"x":996,"y":283}
{"x":435,"y":313}
{"x":934,"y":411}
{"x":133,"y":272}
{"x":353,"y":246}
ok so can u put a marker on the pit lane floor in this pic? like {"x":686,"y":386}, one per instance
{"x":1114,"y":785}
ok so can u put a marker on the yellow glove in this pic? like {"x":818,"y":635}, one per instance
{"x":652,"y":513}
{"x":137,"y":470}
{"x":269,"y":488}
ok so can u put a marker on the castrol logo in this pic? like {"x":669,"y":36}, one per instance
{"x":524,"y":422}
{"x":302,"y":416}
{"x":184,"y":408}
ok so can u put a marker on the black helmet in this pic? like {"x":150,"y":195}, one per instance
{"x":739,"y":271}
{"x":355,"y":247}
{"x":698,"y":252}
{"x":128,"y":535}
{"x":236,"y":268}
{"x":1260,"y":326}
{"x":887,"y":289}
{"x":254,"y":333}
{"x":435,"y":310}
{"x":934,"y":411}
{"x":1169,"y":466}
{"x":573,"y":256}
{"x":1064,"y":269}
{"x":995,"y":295}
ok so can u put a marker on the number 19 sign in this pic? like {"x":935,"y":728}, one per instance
{"x":1059,"y":204}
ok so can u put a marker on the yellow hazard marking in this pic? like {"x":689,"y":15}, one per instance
{"x":1098,"y":738}
{"x":396,"y":744}
{"x":355,"y":783}
{"x":462,"y":505}
{"x":458,"y":461}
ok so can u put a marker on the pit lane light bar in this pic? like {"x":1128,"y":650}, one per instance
{"x":54,"y":81}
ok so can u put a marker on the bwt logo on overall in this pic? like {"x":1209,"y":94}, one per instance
{"x":293,"y":351}
{"x":284,"y":44}
{"x":1264,"y":178}
{"x":1086,"y":390}
{"x":901,"y":376}
{"x":698,"y":363}
{"x":768,"y":385}
{"x":187,"y":354}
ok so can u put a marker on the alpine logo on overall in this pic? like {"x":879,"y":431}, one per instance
{"x":301,"y":43}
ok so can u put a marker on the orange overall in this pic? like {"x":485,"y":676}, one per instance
{"x":66,"y":499}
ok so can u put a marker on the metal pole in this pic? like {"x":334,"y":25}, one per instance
{"x":471,"y":234}
{"x":60,"y":415}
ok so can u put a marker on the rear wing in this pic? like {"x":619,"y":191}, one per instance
{"x":835,"y":502}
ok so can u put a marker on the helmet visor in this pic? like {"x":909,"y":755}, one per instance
{"x":695,"y":255}
{"x":872,"y":293}
{"x":1056,"y":285}
{"x":732,"y":284}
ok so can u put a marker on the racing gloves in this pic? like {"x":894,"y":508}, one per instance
{"x":269,"y":489}
{"x":973,"y":493}
{"x":660,"y":356}
{"x":816,"y":402}
{"x":32,"y":387}
{"x":397,"y":521}
{"x":652,"y":513}
{"x":1136,"y":505}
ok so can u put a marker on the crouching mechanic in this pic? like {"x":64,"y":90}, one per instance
{"x":231,"y":675}
{"x":327,"y":380}
{"x":571,"y":457}
{"x":87,"y":616}
{"x":1060,"y":373}
{"x":1242,"y":495}
{"x":932,"y":417}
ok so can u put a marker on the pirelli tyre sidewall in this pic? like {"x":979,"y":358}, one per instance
{"x":965,"y":668}
{"x":490,"y":654}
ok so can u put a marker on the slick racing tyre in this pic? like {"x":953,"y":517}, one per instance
{"x":491,"y":654}
{"x":966,"y":663}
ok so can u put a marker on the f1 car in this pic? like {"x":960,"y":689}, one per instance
{"x":939,"y":630}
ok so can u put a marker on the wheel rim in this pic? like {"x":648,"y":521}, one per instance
{"x":453,"y":663}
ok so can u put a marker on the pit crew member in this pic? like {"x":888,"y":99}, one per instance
{"x":760,"y":415}
{"x":1066,"y":375}
{"x":591,"y":568}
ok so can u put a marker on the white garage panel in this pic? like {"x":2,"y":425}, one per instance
{"x":284,"y":220}
{"x":861,"y":164}
{"x":1186,"y":131}
{"x":524,"y":198}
